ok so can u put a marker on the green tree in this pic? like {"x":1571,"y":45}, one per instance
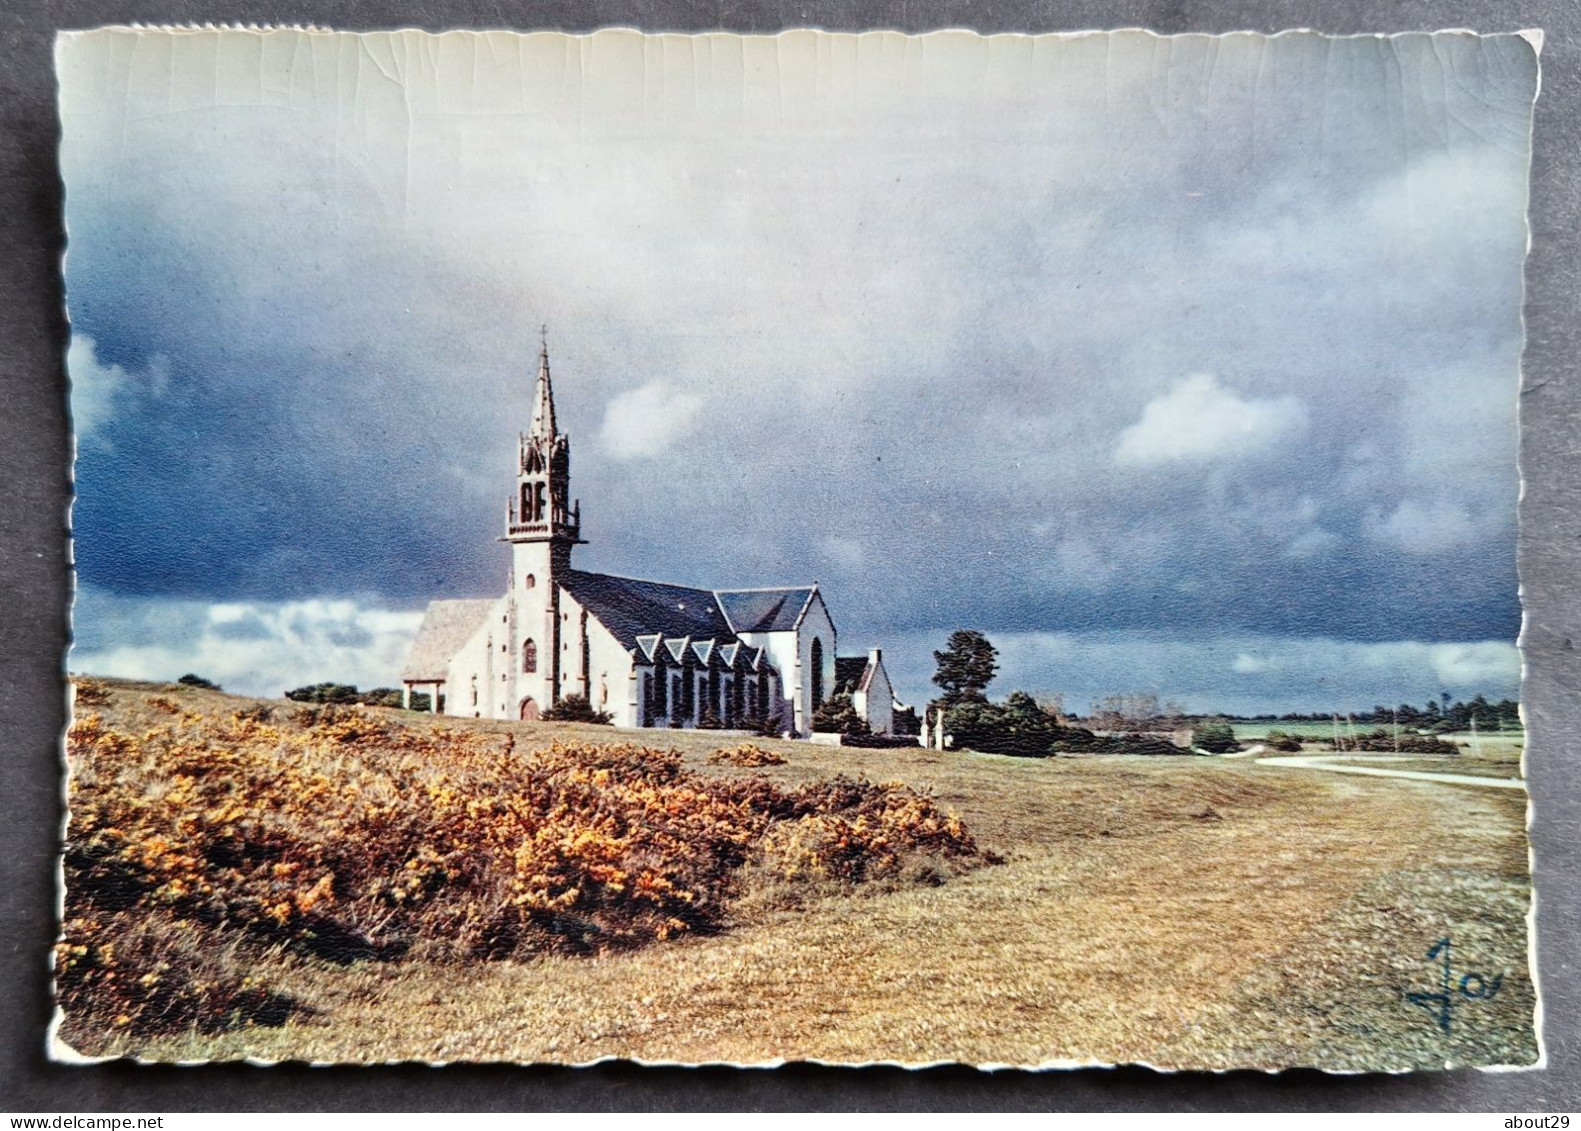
{"x":771,"y":727}
{"x":576,"y":709}
{"x":381,"y":697}
{"x":1216,"y":736}
{"x":1019,"y":726}
{"x":965,"y":668}
{"x":976,"y":724}
{"x":345,"y":693}
{"x":907,"y":722}
{"x":1029,"y":729}
{"x":190,"y":680}
{"x":837,"y":715}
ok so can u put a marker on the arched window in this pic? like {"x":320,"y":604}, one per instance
{"x":661,"y":689}
{"x":817,"y":673}
{"x":529,"y":657}
{"x":587,"y":657}
{"x":529,"y":581}
{"x":685,"y":693}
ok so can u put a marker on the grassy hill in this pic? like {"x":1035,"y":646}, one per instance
{"x":374,"y":885}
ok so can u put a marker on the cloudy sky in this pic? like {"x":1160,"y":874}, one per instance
{"x":1186,"y":365}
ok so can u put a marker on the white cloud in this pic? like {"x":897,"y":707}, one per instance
{"x":1200,"y":419}
{"x":646,"y":420}
{"x":95,"y":387}
{"x":1425,"y":528}
{"x":1247,"y":664}
{"x":1466,"y":665}
{"x":251,"y":648}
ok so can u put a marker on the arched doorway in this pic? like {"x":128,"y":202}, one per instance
{"x":529,"y":710}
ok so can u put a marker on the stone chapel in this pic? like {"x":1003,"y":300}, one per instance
{"x":647,"y":653}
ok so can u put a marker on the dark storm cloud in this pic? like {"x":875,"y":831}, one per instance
{"x":1122,"y":334}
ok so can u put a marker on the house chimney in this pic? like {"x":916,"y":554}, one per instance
{"x":874,"y":655}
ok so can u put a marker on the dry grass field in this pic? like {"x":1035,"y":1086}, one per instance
{"x":1183,"y":912}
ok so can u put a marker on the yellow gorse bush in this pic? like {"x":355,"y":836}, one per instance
{"x":747,"y":754}
{"x":349,"y":836}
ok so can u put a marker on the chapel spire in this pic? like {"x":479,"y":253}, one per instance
{"x":541,"y":510}
{"x":543,"y":425}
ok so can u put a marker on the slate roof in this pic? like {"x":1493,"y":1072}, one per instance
{"x":447,"y":625}
{"x":630,"y":608}
{"x":642,"y":615}
{"x":848,"y":672}
{"x":764,"y":610}
{"x":866,"y":683}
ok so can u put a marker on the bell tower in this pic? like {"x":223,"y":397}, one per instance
{"x":542,"y":523}
{"x":541,"y":512}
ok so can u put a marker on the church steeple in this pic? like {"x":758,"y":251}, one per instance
{"x":543,"y":397}
{"x":541,"y":509}
{"x":542,"y":524}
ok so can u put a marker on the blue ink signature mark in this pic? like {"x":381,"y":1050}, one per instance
{"x":1472,"y":986}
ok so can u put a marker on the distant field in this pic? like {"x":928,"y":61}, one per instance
{"x":1319,"y":731}
{"x":1186,"y":912}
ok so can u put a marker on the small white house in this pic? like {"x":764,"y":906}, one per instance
{"x":872,"y":695}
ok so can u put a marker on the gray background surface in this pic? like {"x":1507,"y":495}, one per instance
{"x":34,"y":563}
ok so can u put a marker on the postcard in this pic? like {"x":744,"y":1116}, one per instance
{"x":1046,"y":594}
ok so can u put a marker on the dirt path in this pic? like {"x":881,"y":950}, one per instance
{"x":1328,"y":762}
